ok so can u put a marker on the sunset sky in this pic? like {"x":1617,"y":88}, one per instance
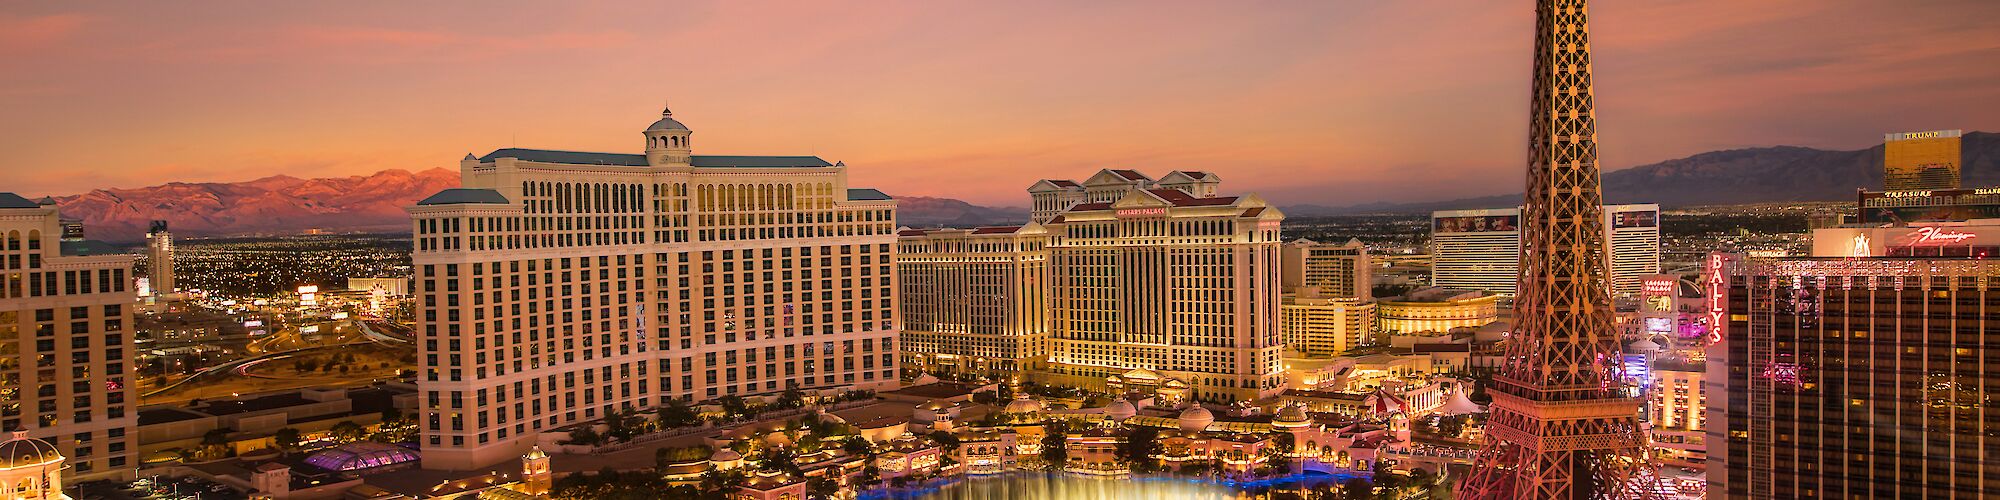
{"x":1328,"y":102}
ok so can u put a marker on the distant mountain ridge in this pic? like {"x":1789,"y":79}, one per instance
{"x":275,"y":204}
{"x":1736,"y":176}
{"x":283,"y":204}
{"x":922,"y":211}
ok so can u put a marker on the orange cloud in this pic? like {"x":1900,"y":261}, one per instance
{"x":18,"y":33}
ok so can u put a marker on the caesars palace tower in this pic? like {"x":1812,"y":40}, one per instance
{"x":556,"y":286}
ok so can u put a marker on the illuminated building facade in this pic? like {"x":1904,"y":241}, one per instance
{"x":1677,"y":412}
{"x":975,"y":300}
{"x":1480,"y":249}
{"x":1339,"y":271}
{"x":1436,"y":310}
{"x":1050,"y":197}
{"x":555,"y":286}
{"x":1921,"y":160}
{"x":160,"y":259}
{"x":1854,"y":378}
{"x":65,"y":349}
{"x":1165,"y":282}
{"x":1317,"y":325}
{"x":1960,"y":239}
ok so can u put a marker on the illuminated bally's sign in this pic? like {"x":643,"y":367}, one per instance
{"x":1938,"y":236}
{"x":1133,"y":212}
{"x":1718,"y":288}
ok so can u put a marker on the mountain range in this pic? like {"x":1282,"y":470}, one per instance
{"x":271,"y":205}
{"x":284,"y":204}
{"x":1736,"y":176}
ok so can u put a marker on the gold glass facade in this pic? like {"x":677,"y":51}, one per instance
{"x":1921,"y":160}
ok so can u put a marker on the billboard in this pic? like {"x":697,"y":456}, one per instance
{"x":1643,"y":218}
{"x":1476,"y":224}
{"x":1929,"y":205}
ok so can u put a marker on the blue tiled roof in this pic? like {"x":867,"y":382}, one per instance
{"x":632,"y":160}
{"x":865,"y":194}
{"x":461,"y":196}
{"x":11,"y":200}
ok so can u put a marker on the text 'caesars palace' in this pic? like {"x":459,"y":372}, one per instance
{"x":557,"y":286}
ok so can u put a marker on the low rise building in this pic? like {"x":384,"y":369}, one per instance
{"x":1436,"y":310}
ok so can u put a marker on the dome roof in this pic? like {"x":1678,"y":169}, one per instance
{"x":1121,"y":409}
{"x":1023,"y":404}
{"x":1643,"y":345}
{"x":360,"y":456}
{"x":725,"y":455}
{"x":25,"y":451}
{"x":1292,"y":416}
{"x":667,"y":122}
{"x":934,"y":405}
{"x":1196,"y":419}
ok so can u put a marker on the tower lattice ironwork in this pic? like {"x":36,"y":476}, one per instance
{"x":1562,"y":425}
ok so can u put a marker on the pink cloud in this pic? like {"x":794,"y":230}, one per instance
{"x":30,"y":32}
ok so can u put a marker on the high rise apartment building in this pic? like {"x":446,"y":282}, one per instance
{"x":160,"y":259}
{"x":1853,"y":377}
{"x":1163,"y":280}
{"x":65,"y":346}
{"x":975,"y":300}
{"x":1480,"y":249}
{"x":1339,"y":271}
{"x":555,"y":286}
{"x":1314,"y":324}
{"x":1327,"y":307}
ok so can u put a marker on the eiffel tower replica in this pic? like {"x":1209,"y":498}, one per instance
{"x":1562,"y":425}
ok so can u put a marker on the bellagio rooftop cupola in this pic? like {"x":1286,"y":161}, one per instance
{"x":667,"y":141}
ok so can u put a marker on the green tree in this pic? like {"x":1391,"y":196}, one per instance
{"x":286,"y":439}
{"x":857,"y":445}
{"x":1451,"y":426}
{"x":348,"y":432}
{"x":622,"y":424}
{"x":822,"y":488}
{"x":1140,"y":445}
{"x":780,"y":459}
{"x":735,"y":406}
{"x":1357,"y":489}
{"x":791,"y":398}
{"x":1055,"y":449}
{"x":585,"y":435}
{"x":677,"y":413}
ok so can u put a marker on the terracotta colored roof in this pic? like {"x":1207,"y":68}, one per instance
{"x":1131,"y":175}
{"x":911,"y":232}
{"x":1057,"y":220}
{"x":1253,"y":211}
{"x":1085,"y":207}
{"x":997,"y":230}
{"x":1195,"y":173}
{"x":1064,"y":183}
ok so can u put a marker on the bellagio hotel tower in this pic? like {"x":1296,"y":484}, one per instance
{"x":556,"y":286}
